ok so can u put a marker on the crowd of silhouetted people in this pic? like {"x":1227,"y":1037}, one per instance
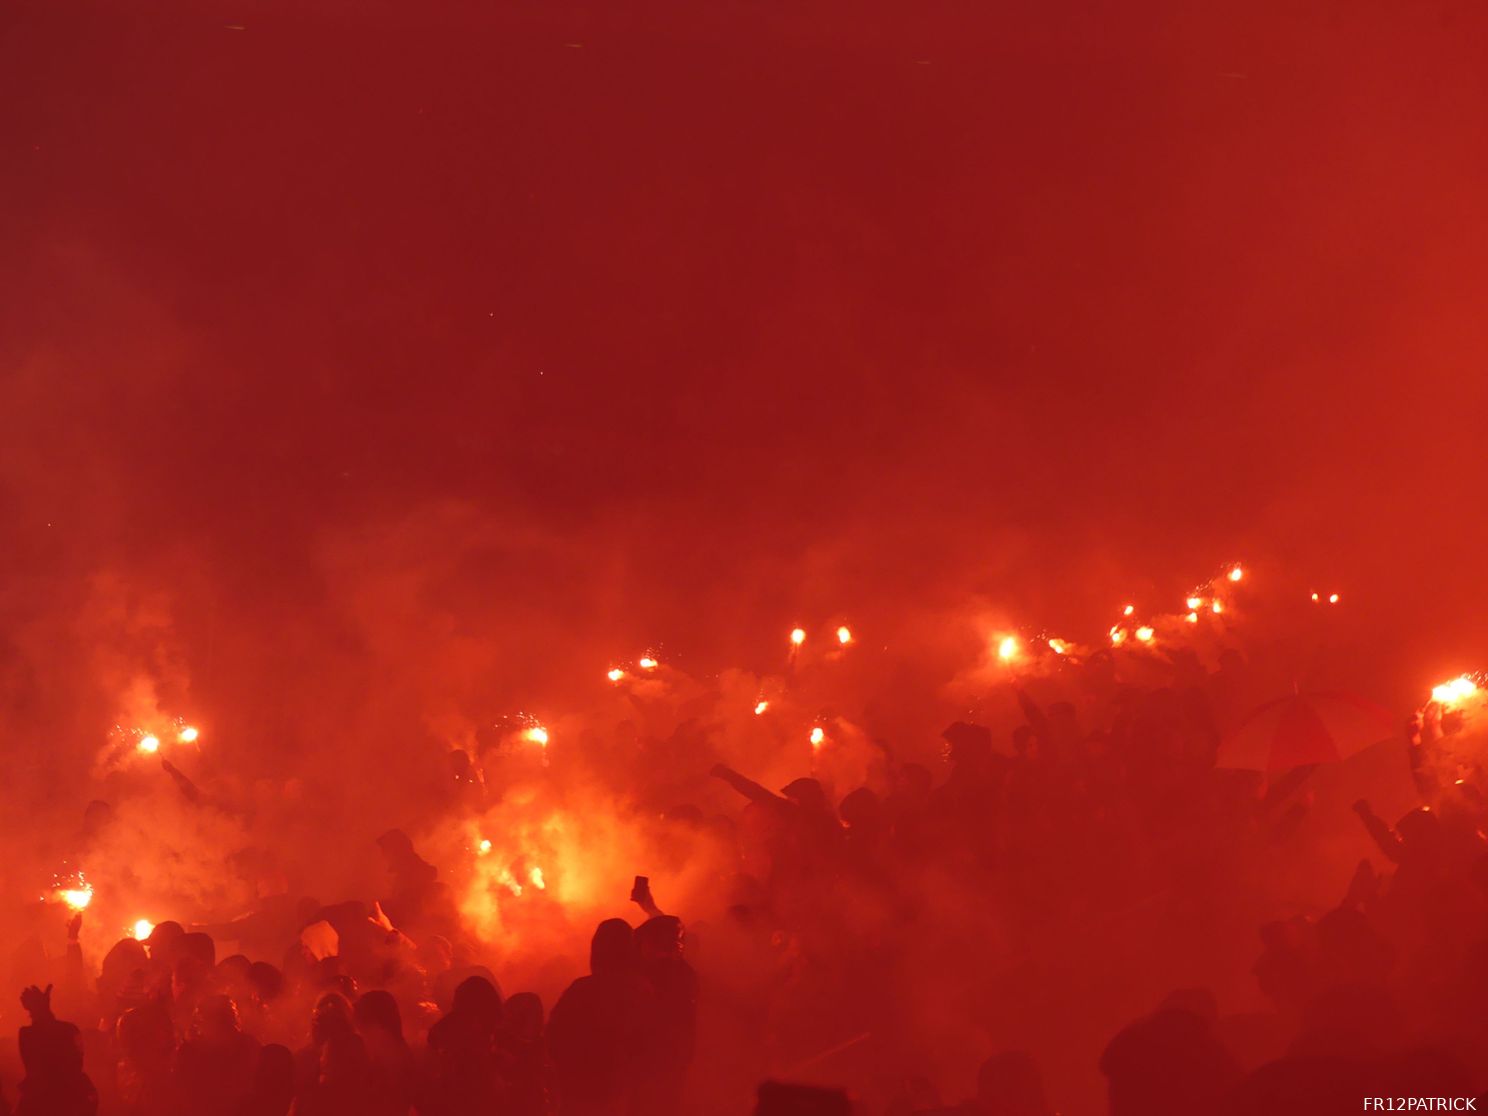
{"x":850,"y":921}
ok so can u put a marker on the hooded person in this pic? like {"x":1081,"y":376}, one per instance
{"x":603,"y":1029}
{"x":659,"y":942}
{"x":462,"y":1046}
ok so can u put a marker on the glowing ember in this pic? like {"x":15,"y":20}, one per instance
{"x":1059,"y":647}
{"x":536,"y":876}
{"x":142,"y":929}
{"x":1216,"y":608}
{"x":817,"y":736}
{"x":647,"y":663}
{"x":844,"y":635}
{"x":1145,"y":634}
{"x":1194,"y":602}
{"x":760,"y":707}
{"x":1314,"y":596}
{"x":538,"y":735}
{"x":1128,"y":610}
{"x":1332,"y":598}
{"x":485,"y":846}
{"x":1458,"y":689}
{"x":1007,"y":648}
{"x":1236,"y":574}
{"x":798,"y":636}
{"x":149,"y":744}
{"x":187,"y":735}
{"x":615,"y":674}
{"x":1192,"y":618}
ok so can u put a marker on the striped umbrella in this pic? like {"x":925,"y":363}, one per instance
{"x":1305,"y":729}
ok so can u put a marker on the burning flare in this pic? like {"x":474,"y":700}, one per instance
{"x":142,"y":929}
{"x":1145,"y":634}
{"x":1007,"y":648}
{"x":817,"y":736}
{"x":798,"y":636}
{"x":1236,"y":574}
{"x":1059,"y":647}
{"x":187,"y":735}
{"x":1458,"y":689}
{"x":149,"y":744}
{"x":538,"y":735}
{"x":615,"y":674}
{"x":646,"y":663}
{"x":844,"y":634}
{"x":760,"y":707}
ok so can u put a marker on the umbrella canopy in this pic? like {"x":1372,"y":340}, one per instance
{"x":1304,"y":729}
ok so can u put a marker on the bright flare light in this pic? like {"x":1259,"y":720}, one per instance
{"x":149,"y":744}
{"x":760,"y":707}
{"x":1059,"y":647}
{"x":817,"y":736}
{"x":1118,"y":637}
{"x":536,"y":877}
{"x":844,"y":634}
{"x":798,"y":636}
{"x":648,"y":663}
{"x":1007,"y":648}
{"x":1332,"y":598}
{"x":1194,"y":602}
{"x":1458,"y":689}
{"x":142,"y":929}
{"x":1236,"y":574}
{"x":1128,"y":610}
{"x":187,"y":735}
{"x":538,"y":735}
{"x":77,"y":898}
{"x":1314,"y":596}
{"x":615,"y":674}
{"x":485,"y":846}
{"x":1192,"y":618}
{"x":1216,"y":608}
{"x":1144,"y":634}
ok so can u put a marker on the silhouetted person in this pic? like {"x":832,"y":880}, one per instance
{"x":215,"y":1068}
{"x":344,"y":1087}
{"x":411,"y":879}
{"x":331,"y":1016}
{"x":658,"y":944}
{"x":462,"y":1046}
{"x":525,"y":1053}
{"x":145,"y":1045}
{"x":393,"y":1074}
{"x":1168,"y":1064}
{"x":52,"y":1054}
{"x":273,"y":1083}
{"x":601,"y":1031}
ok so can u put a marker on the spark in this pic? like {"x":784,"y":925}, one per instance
{"x":142,"y":929}
{"x":1144,"y":634}
{"x":1236,"y":574}
{"x":760,"y":707}
{"x":538,"y":735}
{"x":646,"y":663}
{"x":615,"y":674}
{"x":1007,"y":648}
{"x":77,"y":898}
{"x":798,"y":636}
{"x":149,"y":744}
{"x":536,"y":876}
{"x":844,"y":634}
{"x":1458,"y":689}
{"x":187,"y":735}
{"x":817,"y":736}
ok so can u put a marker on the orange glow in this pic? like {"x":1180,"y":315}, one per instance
{"x":536,"y":877}
{"x":142,"y":929}
{"x":149,"y":744}
{"x":187,"y":735}
{"x":1236,"y":574}
{"x":646,"y":663}
{"x":1007,"y":648}
{"x":760,"y":707}
{"x":77,"y":898}
{"x":615,"y":674}
{"x":817,"y":736}
{"x":798,"y":636}
{"x":538,"y":735}
{"x":844,"y":634}
{"x":1144,"y":634}
{"x":1458,"y":689}
{"x":1059,"y":647}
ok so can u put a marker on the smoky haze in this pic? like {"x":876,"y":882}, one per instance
{"x":370,"y":375}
